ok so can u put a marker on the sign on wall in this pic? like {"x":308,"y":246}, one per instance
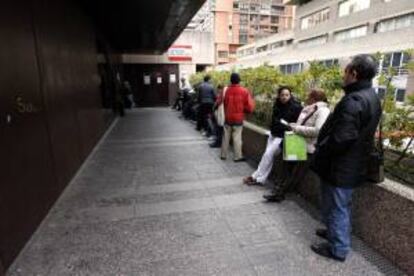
{"x":147,"y":79}
{"x":180,"y":53}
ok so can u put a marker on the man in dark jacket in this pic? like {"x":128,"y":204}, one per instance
{"x":341,"y":159}
{"x":206,"y":99}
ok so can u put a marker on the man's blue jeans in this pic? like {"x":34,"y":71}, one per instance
{"x":336,"y":214}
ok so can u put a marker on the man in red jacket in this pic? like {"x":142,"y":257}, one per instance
{"x":237,"y":102}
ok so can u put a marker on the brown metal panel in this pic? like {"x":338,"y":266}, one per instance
{"x":57,"y":55}
{"x":26,"y":173}
{"x":70,"y":83}
{"x":50,"y":110}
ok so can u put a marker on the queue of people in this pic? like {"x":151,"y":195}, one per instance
{"x":337,"y":144}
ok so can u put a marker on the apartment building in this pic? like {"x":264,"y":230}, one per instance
{"x":203,"y":21}
{"x":333,"y":31}
{"x":239,"y":22}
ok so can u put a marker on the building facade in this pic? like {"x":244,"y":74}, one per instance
{"x":239,"y":22}
{"x":155,"y":79}
{"x":203,"y":21}
{"x":333,"y":31}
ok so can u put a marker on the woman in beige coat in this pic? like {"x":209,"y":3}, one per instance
{"x":308,"y":125}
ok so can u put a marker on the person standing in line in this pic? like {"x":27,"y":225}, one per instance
{"x":237,"y":102}
{"x":285,"y":108}
{"x":342,"y":154}
{"x":218,"y":129}
{"x":310,"y":121}
{"x":206,"y":99}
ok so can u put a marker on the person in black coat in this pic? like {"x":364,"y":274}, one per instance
{"x":285,"y":108}
{"x":206,"y":99}
{"x":342,"y":154}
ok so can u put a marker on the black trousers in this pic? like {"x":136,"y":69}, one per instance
{"x":289,"y":175}
{"x":205,"y":111}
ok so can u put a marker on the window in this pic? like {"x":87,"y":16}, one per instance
{"x":277,"y":9}
{"x":243,"y":29}
{"x":351,"y":33}
{"x":313,"y":41}
{"x":276,"y":45}
{"x":236,"y":5}
{"x":243,"y":39}
{"x":314,"y":19}
{"x":274,"y":29}
{"x":264,"y":18}
{"x":400,"y":95}
{"x":293,"y":68}
{"x":223,"y":54}
{"x":396,"y":60}
{"x":395,"y":23}
{"x":244,"y":6}
{"x":255,"y":7}
{"x":249,"y":51}
{"x":381,"y":93}
{"x":329,"y":62}
{"x":262,"y":49}
{"x":351,"y":6}
{"x":274,"y":19}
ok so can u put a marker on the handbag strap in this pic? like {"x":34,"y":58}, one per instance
{"x":309,"y":115}
{"x":224,"y":93}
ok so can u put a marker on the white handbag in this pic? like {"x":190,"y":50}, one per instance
{"x":219,"y":113}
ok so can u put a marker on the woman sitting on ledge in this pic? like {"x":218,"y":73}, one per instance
{"x":310,"y":121}
{"x":285,"y":108}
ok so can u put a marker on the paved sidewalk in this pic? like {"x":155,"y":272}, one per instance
{"x":154,"y":199}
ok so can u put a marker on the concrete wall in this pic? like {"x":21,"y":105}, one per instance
{"x":203,"y":53}
{"x":50,"y":110}
{"x":382,"y":214}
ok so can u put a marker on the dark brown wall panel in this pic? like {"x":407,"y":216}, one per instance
{"x":69,"y":65}
{"x":49,"y":86}
{"x":26,"y":174}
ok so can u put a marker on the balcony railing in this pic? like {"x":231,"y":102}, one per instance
{"x":398,"y":70}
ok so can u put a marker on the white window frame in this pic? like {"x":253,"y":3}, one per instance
{"x":351,"y":33}
{"x":314,"y":19}
{"x":349,"y":7}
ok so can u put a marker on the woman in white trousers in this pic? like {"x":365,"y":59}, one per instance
{"x":285,"y":110}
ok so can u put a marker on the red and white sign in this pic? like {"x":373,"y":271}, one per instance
{"x":180,"y":53}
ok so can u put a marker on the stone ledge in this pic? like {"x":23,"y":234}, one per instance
{"x":383,"y":214}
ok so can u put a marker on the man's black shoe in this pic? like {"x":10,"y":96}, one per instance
{"x":274,"y":197}
{"x":240,"y":160}
{"x":325,"y":251}
{"x":323,"y":233}
{"x":214,"y":145}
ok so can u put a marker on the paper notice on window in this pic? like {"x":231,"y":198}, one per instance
{"x":159,"y":80}
{"x":173,"y":78}
{"x":147,"y":80}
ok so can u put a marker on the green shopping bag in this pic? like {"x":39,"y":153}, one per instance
{"x":294,"y":147}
